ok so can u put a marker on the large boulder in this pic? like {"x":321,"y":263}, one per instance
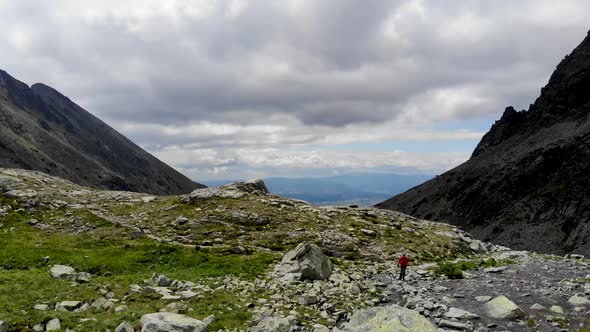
{"x":62,"y":272}
{"x":234,"y":190}
{"x":274,"y":324}
{"x":501,"y":307}
{"x":169,"y":322}
{"x":388,"y":319}
{"x":306,"y":261}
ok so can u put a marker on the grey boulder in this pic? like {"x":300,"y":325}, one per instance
{"x":170,"y":322}
{"x":62,"y":272}
{"x":306,"y":262}
{"x":388,"y":319}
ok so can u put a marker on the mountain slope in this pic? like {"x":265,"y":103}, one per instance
{"x":40,"y":129}
{"x":526,"y":184}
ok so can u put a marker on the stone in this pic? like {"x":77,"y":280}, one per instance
{"x":187,"y":294}
{"x":102,"y":304}
{"x":3,"y":326}
{"x":537,"y":306}
{"x":170,"y":322}
{"x":135,"y":288}
{"x":41,"y":307}
{"x":120,"y":308}
{"x":308,"y":299}
{"x":68,"y":305}
{"x":453,"y":325}
{"x":391,"y":318}
{"x":484,"y":298}
{"x":62,"y":272}
{"x":501,"y":307}
{"x":498,"y":269}
{"x":84,"y":277}
{"x":578,"y":301}
{"x":308,"y":261}
{"x":161,"y":280}
{"x":460,"y":314}
{"x":53,"y":325}
{"x":556,"y":309}
{"x":319,"y":328}
{"x":148,"y":199}
{"x":124,"y":327}
{"x":239,"y":250}
{"x":275,"y":324}
{"x":368,"y":232}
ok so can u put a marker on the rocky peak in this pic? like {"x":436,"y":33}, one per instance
{"x":565,"y":98}
{"x":509,"y":124}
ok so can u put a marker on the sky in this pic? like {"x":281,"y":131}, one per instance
{"x":234,"y":89}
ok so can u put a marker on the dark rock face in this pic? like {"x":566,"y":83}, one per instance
{"x":40,"y":129}
{"x":527,"y":184}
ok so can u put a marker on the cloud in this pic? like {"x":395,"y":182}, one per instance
{"x":254,"y":75}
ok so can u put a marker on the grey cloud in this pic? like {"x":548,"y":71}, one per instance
{"x":326,"y":64}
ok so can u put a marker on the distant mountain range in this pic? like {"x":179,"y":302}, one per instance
{"x":527,"y":184}
{"x":352,"y":188}
{"x":41,"y":129}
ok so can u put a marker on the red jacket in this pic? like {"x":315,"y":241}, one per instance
{"x":404,"y":261}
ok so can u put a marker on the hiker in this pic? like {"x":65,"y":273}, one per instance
{"x":403,"y":264}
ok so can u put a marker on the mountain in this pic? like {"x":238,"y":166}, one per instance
{"x":351,"y":188}
{"x":41,"y":129}
{"x":527,"y":183}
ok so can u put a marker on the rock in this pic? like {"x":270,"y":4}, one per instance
{"x":498,"y":269}
{"x":187,"y":294}
{"x":578,"y":301}
{"x":453,"y":324}
{"x":239,"y":250}
{"x":135,"y":288}
{"x":482,"y":298}
{"x":170,"y":322}
{"x":501,"y":307}
{"x":537,"y":306}
{"x":68,"y":305}
{"x":181,"y":221}
{"x":271,"y":323}
{"x":124,"y":327}
{"x":120,"y":308}
{"x":308,"y":299}
{"x":84,"y":277}
{"x":62,"y":272}
{"x":307,"y":261}
{"x":319,"y":328}
{"x":53,"y":325}
{"x":460,"y":314}
{"x":148,"y":199}
{"x":368,"y":232}
{"x":3,"y":326}
{"x":41,"y":307}
{"x":102,"y":304}
{"x":161,"y":280}
{"x":388,"y":319}
{"x":556,"y":309}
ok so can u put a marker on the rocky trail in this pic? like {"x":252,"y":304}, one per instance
{"x":553,"y":291}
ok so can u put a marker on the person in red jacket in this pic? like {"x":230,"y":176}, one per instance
{"x":403,"y":265}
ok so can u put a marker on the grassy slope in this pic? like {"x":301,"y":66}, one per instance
{"x":90,"y":237}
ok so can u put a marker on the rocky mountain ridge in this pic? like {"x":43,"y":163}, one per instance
{"x":41,"y":129}
{"x":526,"y":184}
{"x":237,"y":258}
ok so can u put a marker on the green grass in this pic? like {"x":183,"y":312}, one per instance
{"x":454,"y":270}
{"x":114,"y":259}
